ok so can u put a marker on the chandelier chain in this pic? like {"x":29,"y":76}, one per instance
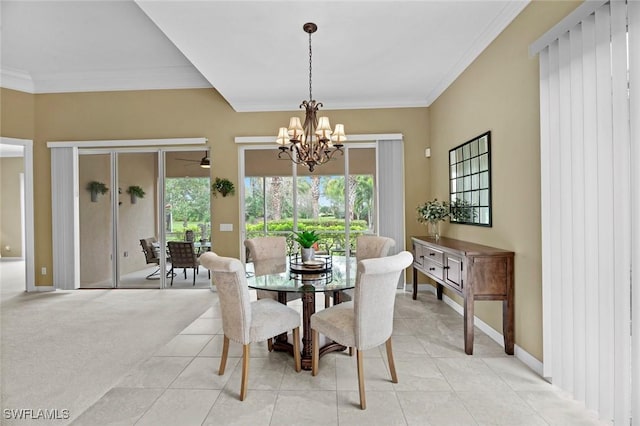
{"x":310,"y":96}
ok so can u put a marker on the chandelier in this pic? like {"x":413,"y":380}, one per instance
{"x":312,"y":143}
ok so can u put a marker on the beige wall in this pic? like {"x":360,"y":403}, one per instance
{"x":10,"y":212}
{"x":17,"y":112}
{"x":500,"y":92}
{"x":197,"y":113}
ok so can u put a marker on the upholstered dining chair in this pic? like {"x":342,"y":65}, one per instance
{"x":367,"y":321}
{"x":246,"y":322}
{"x":367,"y":247}
{"x":268,"y":248}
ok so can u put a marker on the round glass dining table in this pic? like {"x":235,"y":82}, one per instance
{"x":326,"y":274}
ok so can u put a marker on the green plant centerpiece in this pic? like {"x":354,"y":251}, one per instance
{"x":96,"y":188}
{"x":432,"y":213}
{"x":307,"y":239}
{"x":223,"y":186}
{"x":135,"y":192}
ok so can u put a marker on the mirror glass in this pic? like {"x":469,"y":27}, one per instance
{"x":470,"y":181}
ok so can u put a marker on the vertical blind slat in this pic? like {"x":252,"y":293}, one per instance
{"x":545,"y":213}
{"x":605,"y":203}
{"x":591,"y":214}
{"x":565,"y":213}
{"x":554,"y":235}
{"x":633,"y":11}
{"x":621,"y":216}
{"x":579,"y":207}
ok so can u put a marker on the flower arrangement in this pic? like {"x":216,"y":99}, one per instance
{"x":433,"y":211}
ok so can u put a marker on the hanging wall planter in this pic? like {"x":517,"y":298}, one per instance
{"x":223,"y":186}
{"x":96,"y":188}
{"x":135,"y":192}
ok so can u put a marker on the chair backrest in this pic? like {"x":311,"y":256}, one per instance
{"x":375,"y":297}
{"x":183,"y":254}
{"x":261,"y":248}
{"x":148,"y":250}
{"x":228,"y":275}
{"x":372,"y":246}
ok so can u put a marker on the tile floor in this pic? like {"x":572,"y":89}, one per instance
{"x":438,"y":383}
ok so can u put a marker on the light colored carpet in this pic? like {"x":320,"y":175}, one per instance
{"x":65,"y":349}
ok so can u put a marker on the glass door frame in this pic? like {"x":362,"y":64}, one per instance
{"x":160,"y":197}
{"x":345,"y":158}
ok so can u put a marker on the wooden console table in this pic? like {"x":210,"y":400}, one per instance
{"x":473,"y":271}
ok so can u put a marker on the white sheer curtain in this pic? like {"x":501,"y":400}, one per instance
{"x":587,"y":182}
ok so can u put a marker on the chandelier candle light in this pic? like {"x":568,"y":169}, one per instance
{"x":312,"y":143}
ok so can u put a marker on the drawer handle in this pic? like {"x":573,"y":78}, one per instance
{"x":432,"y":254}
{"x":432,"y":269}
{"x":421,"y":257}
{"x":446,"y":267}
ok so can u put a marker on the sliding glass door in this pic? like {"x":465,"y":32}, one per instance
{"x":151,"y":196}
{"x":337,"y":199}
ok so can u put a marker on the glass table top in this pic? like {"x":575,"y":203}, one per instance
{"x":276,"y":275}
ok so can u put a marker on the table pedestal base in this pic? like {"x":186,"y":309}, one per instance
{"x":308,"y":308}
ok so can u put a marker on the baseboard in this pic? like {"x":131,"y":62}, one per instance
{"x":524,"y":356}
{"x":39,"y":288}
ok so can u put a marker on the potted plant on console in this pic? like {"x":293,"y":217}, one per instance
{"x":432,"y":213}
{"x":307,"y":239}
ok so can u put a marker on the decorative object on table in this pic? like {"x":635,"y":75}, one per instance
{"x":223,"y":186}
{"x":307,"y":239}
{"x":432,"y":213}
{"x":135,"y":192}
{"x":313,"y":142}
{"x":96,"y":188}
{"x":470,"y":181}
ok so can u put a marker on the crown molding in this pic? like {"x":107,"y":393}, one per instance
{"x":508,"y":14}
{"x":105,"y":80}
{"x":335,"y":106}
{"x":16,"y":80}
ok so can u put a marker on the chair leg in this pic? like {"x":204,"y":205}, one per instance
{"x":392,"y":364}
{"x":245,"y":371}
{"x":350,"y":350}
{"x":327,"y":301}
{"x":359,"y":357}
{"x":194,"y":277}
{"x":296,"y":348}
{"x":184,"y":270}
{"x":223,"y":359}
{"x":315,"y":355}
{"x":172,"y":275}
{"x":270,"y":345}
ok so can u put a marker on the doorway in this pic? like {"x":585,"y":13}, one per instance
{"x":16,"y":228}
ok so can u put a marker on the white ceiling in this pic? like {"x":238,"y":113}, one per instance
{"x":366,"y":54}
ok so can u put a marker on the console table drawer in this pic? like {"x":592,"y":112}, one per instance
{"x":433,"y":269}
{"x":433,"y":254}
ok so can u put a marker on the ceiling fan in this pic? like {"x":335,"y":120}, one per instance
{"x":204,"y":162}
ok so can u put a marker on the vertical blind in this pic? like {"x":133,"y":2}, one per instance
{"x":586,"y":184}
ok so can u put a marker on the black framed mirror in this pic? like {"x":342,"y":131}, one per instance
{"x":470,"y":181}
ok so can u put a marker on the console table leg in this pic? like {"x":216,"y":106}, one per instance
{"x":468,"y":324}
{"x":508,"y":317}
{"x":415,"y":284}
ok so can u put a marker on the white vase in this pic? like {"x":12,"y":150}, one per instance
{"x":308,"y":254}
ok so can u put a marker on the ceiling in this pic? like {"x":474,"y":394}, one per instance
{"x":366,"y":54}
